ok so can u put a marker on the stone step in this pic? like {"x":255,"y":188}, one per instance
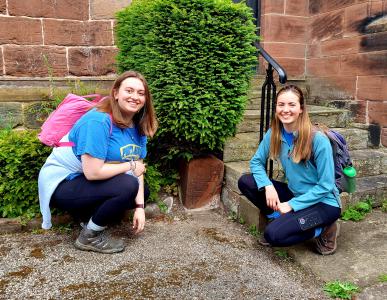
{"x":357,"y":139}
{"x":368,"y":162}
{"x":331,"y":117}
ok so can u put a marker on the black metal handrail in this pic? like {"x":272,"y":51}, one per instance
{"x":269,"y":91}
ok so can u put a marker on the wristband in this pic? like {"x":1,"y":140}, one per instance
{"x":140,"y":205}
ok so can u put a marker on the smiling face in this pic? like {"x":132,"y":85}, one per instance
{"x":130,"y":96}
{"x":288,"y":109}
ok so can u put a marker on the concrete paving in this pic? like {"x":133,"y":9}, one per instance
{"x":201,"y":255}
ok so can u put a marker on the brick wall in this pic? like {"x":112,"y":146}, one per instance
{"x":339,"y":46}
{"x":39,"y":38}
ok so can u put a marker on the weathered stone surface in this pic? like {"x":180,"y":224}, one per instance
{"x":10,"y":114}
{"x":19,"y":30}
{"x":230,"y":200}
{"x":295,"y":67}
{"x":384,"y":136}
{"x":240,"y":147}
{"x":369,"y":162}
{"x":320,"y":6}
{"x":102,"y":9}
{"x":77,"y":33}
{"x":327,"y":26}
{"x":201,"y":181}
{"x":377,"y":112}
{"x":92,"y":61}
{"x":290,"y":50}
{"x":374,"y":42}
{"x":278,"y":28}
{"x":354,"y":16}
{"x":1,"y":63}
{"x":297,"y":8}
{"x":248,"y":212}
{"x":332,"y":87}
{"x":340,"y":46}
{"x":324,"y":66}
{"x":61,"y":9}
{"x":32,"y":115}
{"x":356,"y":138}
{"x":29,"y":61}
{"x":372,"y":88}
{"x":3,"y":6}
{"x":364,"y":63}
{"x":313,"y":50}
{"x":273,"y":6}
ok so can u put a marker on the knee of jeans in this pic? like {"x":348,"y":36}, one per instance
{"x":127,"y":187}
{"x":242,"y":183}
{"x":271,"y":236}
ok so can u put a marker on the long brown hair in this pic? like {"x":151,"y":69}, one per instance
{"x":303,"y":142}
{"x":145,"y":120}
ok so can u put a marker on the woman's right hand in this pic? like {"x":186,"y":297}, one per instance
{"x":272,"y":199}
{"x":138,"y":167}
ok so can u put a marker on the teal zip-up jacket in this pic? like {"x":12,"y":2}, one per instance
{"x":310,"y":183}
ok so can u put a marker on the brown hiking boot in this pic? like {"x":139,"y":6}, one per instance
{"x":326,"y":243}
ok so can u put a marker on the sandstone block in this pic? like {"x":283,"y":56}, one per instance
{"x":384,"y":136}
{"x":18,"y":30}
{"x":76,"y":33}
{"x":10,"y":114}
{"x":340,"y":46}
{"x":332,"y":87}
{"x":61,"y":9}
{"x":30,"y":61}
{"x":377,"y":112}
{"x":326,"y":26}
{"x":354,"y":16}
{"x":102,"y":9}
{"x":313,"y":50}
{"x":372,"y":87}
{"x":374,"y":42}
{"x":201,"y":181}
{"x":295,"y":67}
{"x":279,"y":28}
{"x":323,"y":66}
{"x":249,"y":212}
{"x":3,"y":6}
{"x":230,"y":200}
{"x":92,"y":61}
{"x":297,"y":8}
{"x":273,"y":6}
{"x":364,"y":63}
{"x":33,"y":117}
{"x":1,"y":62}
{"x":321,"y":6}
{"x":290,"y":50}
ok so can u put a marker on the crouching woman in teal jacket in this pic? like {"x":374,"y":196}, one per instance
{"x":308,"y":204}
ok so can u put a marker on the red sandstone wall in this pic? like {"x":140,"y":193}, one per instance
{"x":328,"y":42}
{"x":75,"y":37}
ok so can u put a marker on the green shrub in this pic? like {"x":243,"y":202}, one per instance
{"x":198,"y":57}
{"x":21,"y":157}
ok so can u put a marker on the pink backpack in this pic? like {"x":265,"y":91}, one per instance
{"x":62,"y":119}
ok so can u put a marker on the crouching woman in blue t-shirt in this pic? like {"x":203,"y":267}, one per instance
{"x":101,"y":176}
{"x":308,"y":205}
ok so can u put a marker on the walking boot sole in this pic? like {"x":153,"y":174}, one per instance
{"x":83,"y":247}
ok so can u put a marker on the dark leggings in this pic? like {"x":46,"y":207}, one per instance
{"x":104,"y":200}
{"x":286,"y":230}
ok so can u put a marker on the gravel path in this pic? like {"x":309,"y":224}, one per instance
{"x":198,"y":256}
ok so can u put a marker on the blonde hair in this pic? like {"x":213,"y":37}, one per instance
{"x":145,"y":120}
{"x":303,"y":142}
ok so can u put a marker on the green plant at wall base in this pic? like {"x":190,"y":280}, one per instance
{"x":282,"y":254}
{"x":253,"y":230}
{"x":384,"y":205}
{"x":198,"y":57}
{"x":358,"y":211}
{"x":341,"y":290}
{"x":21,"y":157}
{"x":382,"y":278}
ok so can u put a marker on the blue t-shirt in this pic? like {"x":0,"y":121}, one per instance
{"x":94,"y":134}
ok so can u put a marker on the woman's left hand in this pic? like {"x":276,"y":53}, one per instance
{"x":284,"y":207}
{"x":139,"y":220}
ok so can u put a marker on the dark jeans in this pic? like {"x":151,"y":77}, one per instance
{"x":104,"y":200}
{"x":286,"y":230}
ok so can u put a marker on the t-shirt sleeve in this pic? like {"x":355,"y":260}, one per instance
{"x":143,"y":141}
{"x":92,"y":137}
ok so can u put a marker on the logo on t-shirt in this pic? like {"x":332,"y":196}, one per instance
{"x":130,"y":152}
